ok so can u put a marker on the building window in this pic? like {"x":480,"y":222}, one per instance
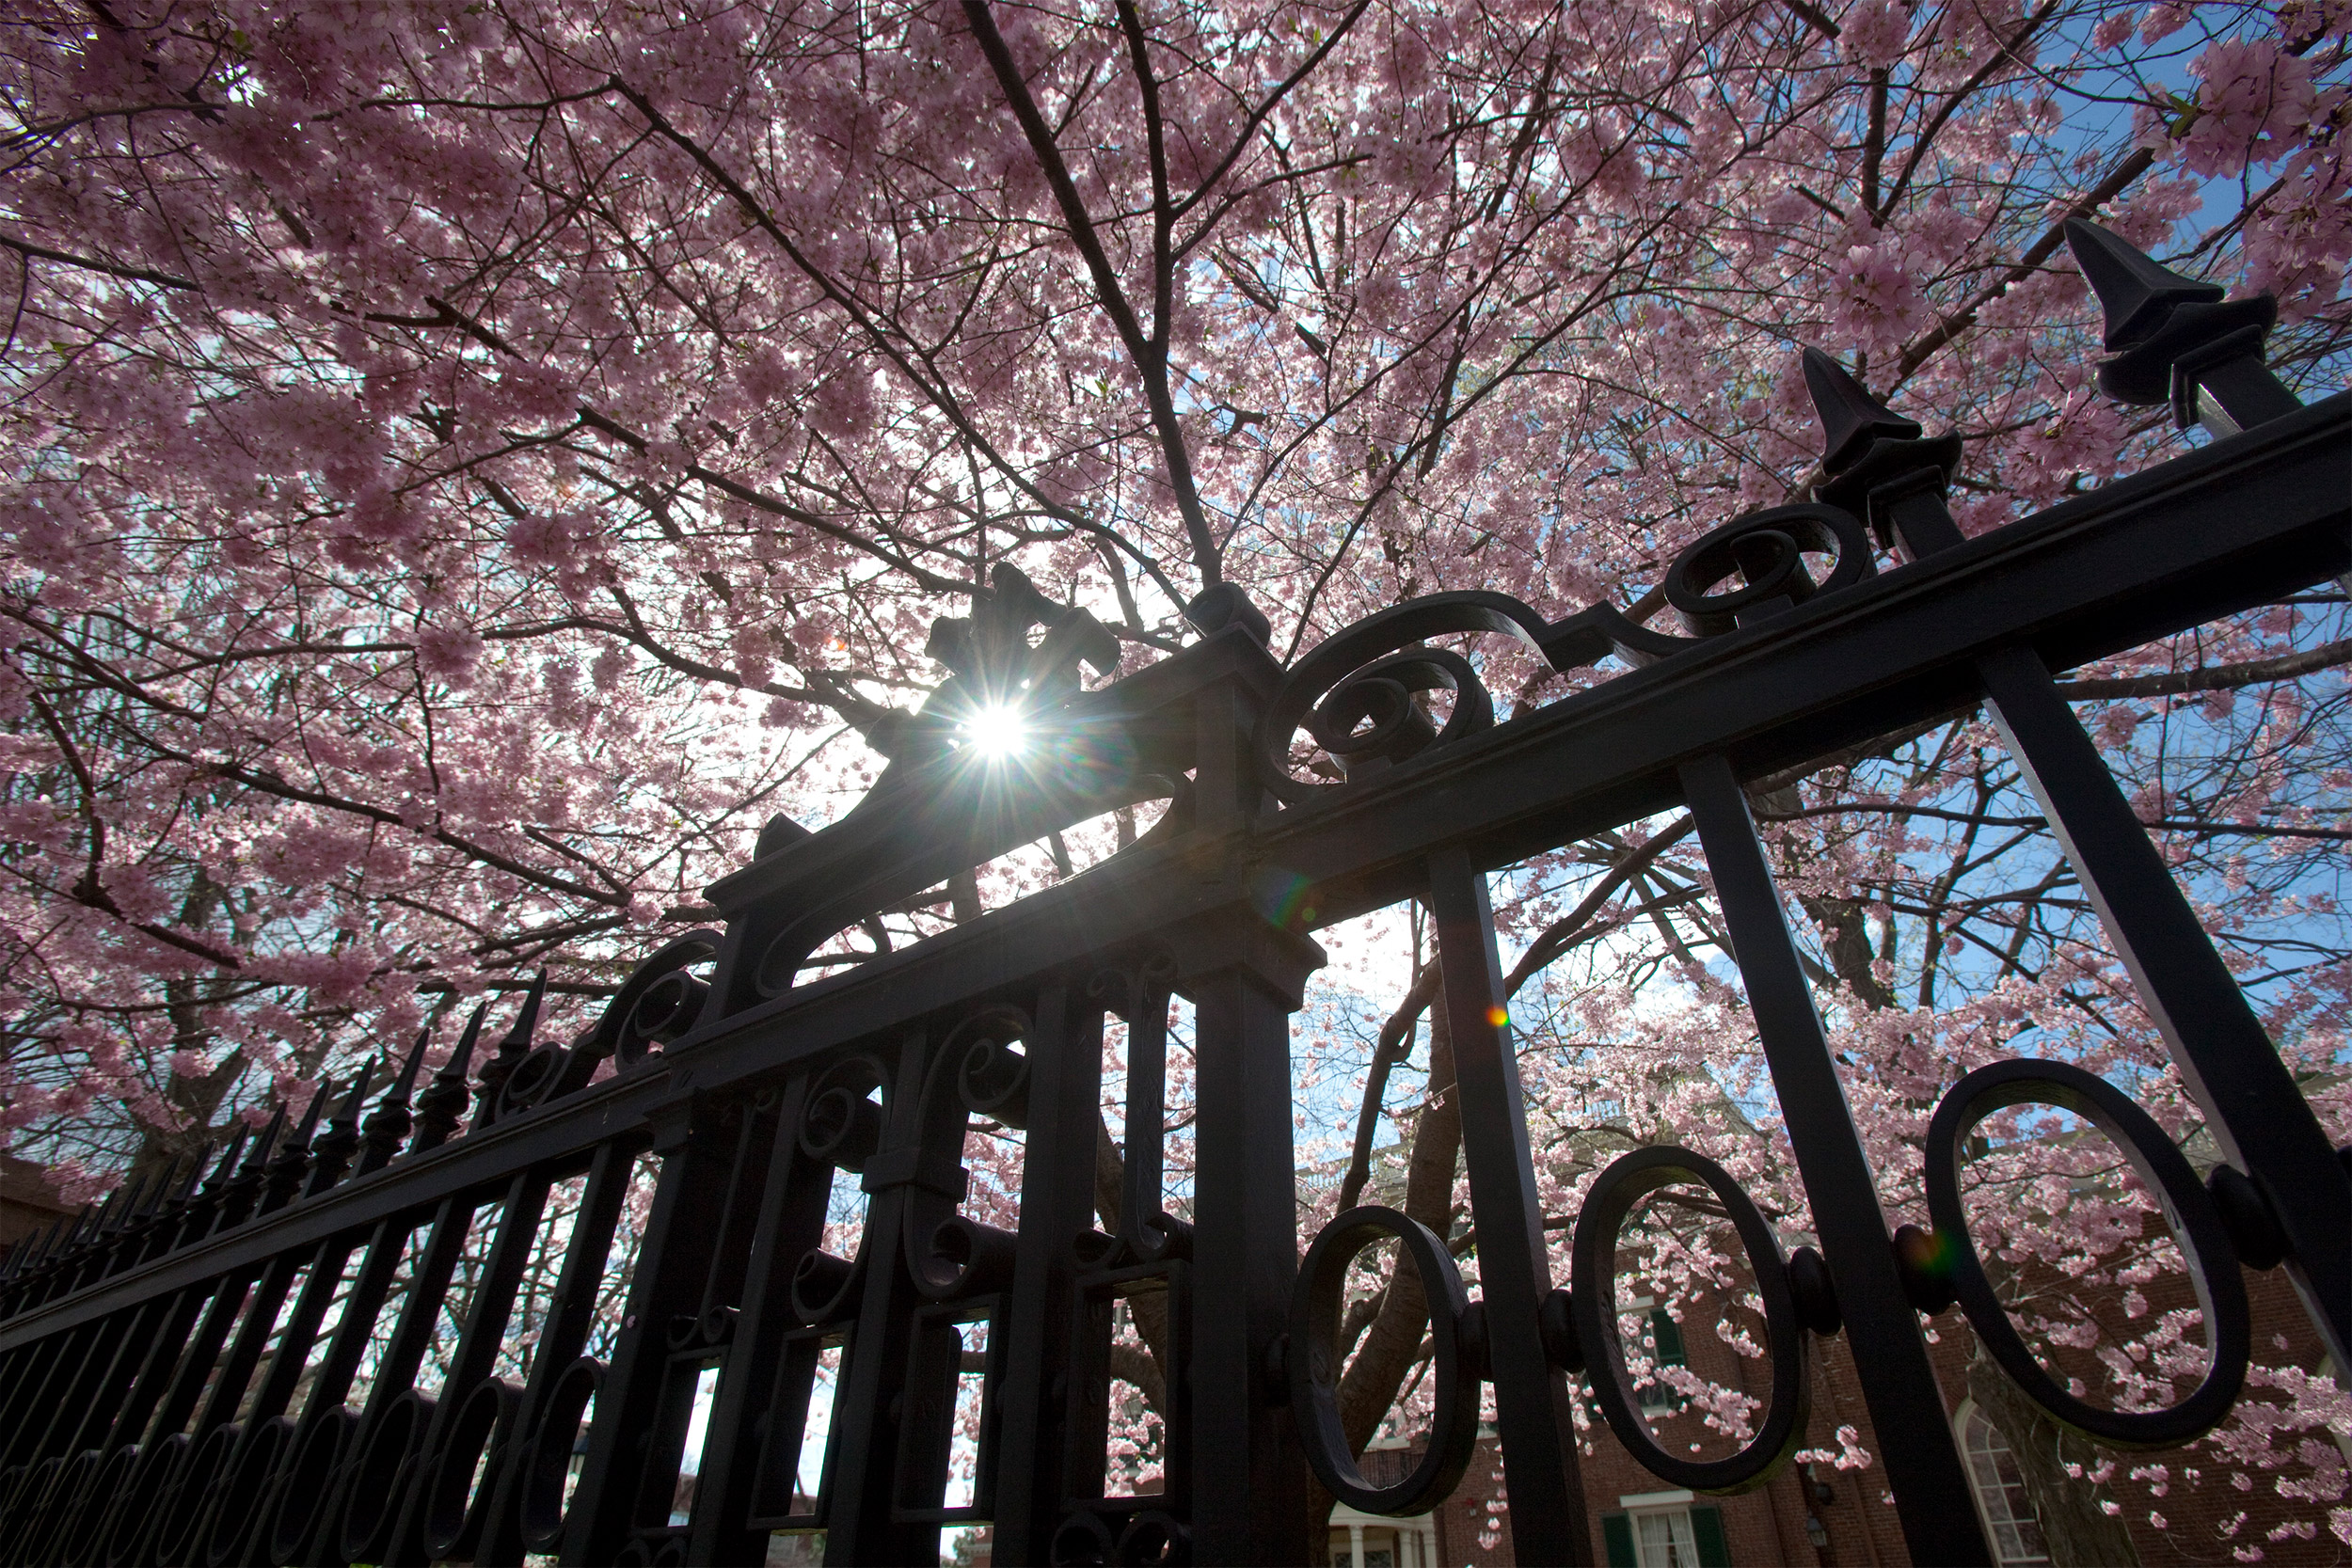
{"x":1663,"y":1539}
{"x":2000,"y":1488}
{"x":1665,"y":1337}
{"x":1365,"y":1540}
{"x":1665,"y":1535}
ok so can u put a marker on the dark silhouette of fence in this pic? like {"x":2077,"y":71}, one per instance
{"x":175,"y":1391}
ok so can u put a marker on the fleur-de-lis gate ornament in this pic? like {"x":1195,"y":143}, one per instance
{"x":308,"y":1348}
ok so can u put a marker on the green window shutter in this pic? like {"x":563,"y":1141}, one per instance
{"x":1617,"y":1531}
{"x":1667,"y":1334}
{"x":1706,"y":1531}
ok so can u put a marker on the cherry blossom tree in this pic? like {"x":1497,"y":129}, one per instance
{"x":470,"y":466}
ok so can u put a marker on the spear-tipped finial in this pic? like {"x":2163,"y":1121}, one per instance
{"x":347,"y":1113}
{"x":157,"y":1190}
{"x":438,"y":1107}
{"x":309,"y":1123}
{"x":246,"y":1188}
{"x":20,"y":1256}
{"x":2177,"y":340}
{"x":1850,"y":418}
{"x":259,"y":1159}
{"x":408,"y":1070}
{"x":193,"y":1176}
{"x":1877,"y":464}
{"x":526,"y":1018}
{"x":387,"y":1125}
{"x":226,"y":1166}
{"x":332,"y":1152}
{"x":114,"y":1203}
{"x":124,"y":1206}
{"x":38,"y":1250}
{"x":511,"y":1052}
{"x":2137,"y":293}
{"x":285,"y":1172}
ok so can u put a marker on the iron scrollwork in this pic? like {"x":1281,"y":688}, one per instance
{"x":1147,"y":1232}
{"x":2189,"y":1213}
{"x":657,"y":1004}
{"x":949,"y":1256}
{"x":841,"y":1127}
{"x":1358,"y":694}
{"x":1593,"y":1270}
{"x":1312,"y":1361}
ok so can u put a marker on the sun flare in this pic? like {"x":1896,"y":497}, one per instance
{"x":996,"y":731}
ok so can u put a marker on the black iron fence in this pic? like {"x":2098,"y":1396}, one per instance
{"x":226,"y":1366}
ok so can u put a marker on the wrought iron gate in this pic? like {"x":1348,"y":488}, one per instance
{"x":174,"y":1391}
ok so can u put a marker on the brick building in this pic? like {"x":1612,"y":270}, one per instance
{"x":1816,"y":1516}
{"x":27,"y":1202}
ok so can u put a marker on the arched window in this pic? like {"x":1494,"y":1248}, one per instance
{"x":2009,"y":1517}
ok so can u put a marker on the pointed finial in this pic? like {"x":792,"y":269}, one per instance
{"x":194,"y":1175}
{"x":1869,"y":450}
{"x":2136,"y":292}
{"x":330,"y":1155}
{"x":286,"y":1171}
{"x":227,"y":1165}
{"x":526,"y":1019}
{"x":122,"y":1203}
{"x":247,"y":1189}
{"x":259,"y":1158}
{"x":1850,"y":418}
{"x":387,"y":1125}
{"x":408,"y":1070}
{"x":158,"y":1190}
{"x":114,"y":1201}
{"x":510,"y":1054}
{"x":48,"y":1243}
{"x":437,"y":1107}
{"x":309,"y":1123}
{"x":347,"y":1113}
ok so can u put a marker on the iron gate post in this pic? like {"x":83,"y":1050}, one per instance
{"x":1245,"y":976}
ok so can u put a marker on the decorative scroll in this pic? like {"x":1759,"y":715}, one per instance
{"x":1594,"y":1305}
{"x":840,"y":1126}
{"x":948,"y":1256}
{"x":1148,"y":1233}
{"x":1457,"y":1339}
{"x":1358,"y":694}
{"x":657,"y":1004}
{"x":2189,"y":1213}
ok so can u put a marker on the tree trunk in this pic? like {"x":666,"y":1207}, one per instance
{"x":2078,"y":1533}
{"x":1392,"y":1340}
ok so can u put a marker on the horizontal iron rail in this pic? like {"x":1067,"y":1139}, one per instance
{"x":2148,"y":555}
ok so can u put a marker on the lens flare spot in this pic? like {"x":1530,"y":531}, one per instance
{"x":1497,"y":1017}
{"x":1282,"y":898}
{"x":996,"y":731}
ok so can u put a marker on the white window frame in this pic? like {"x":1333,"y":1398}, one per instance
{"x":1960,"y":1418}
{"x":1657,"y":1505}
